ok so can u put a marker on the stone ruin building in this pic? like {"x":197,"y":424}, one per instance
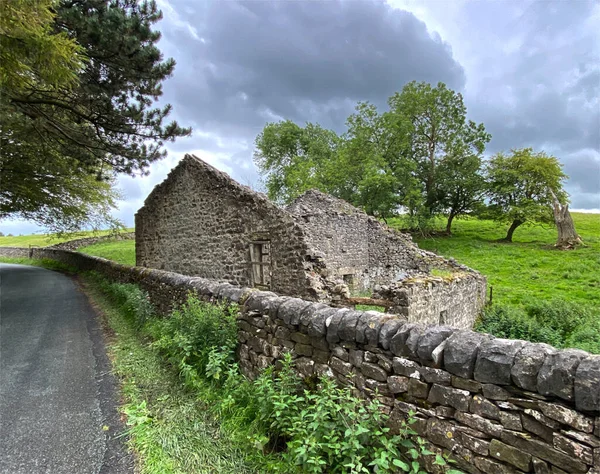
{"x":200,"y":222}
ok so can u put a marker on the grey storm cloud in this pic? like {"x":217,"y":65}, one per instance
{"x":533,"y":80}
{"x":242,"y":64}
{"x":538,"y":85}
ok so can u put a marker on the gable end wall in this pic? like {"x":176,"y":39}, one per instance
{"x":200,"y":222}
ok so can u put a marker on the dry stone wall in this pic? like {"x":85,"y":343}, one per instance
{"x":497,"y":405}
{"x":452,"y":300}
{"x":85,"y":241}
{"x":15,"y":252}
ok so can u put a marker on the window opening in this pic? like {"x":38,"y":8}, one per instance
{"x":260,"y":261}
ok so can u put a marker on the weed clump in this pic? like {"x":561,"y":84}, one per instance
{"x":292,"y":426}
{"x":556,"y":322}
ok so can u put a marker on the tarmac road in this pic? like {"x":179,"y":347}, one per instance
{"x":57,"y":395}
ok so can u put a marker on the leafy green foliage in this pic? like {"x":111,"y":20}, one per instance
{"x":294,"y":159}
{"x":329,"y":430}
{"x":33,"y":56}
{"x":442,"y":141}
{"x":67,"y":126}
{"x":53,"y":190}
{"x":323,"y":429}
{"x":422,"y":154}
{"x":170,"y":428}
{"x":107,"y":119}
{"x":520,"y":187}
{"x":193,"y":331}
{"x":133,"y":303}
{"x":556,"y":322}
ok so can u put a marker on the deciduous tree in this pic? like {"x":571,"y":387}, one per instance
{"x":33,"y":55}
{"x":293,"y":159}
{"x":521,"y":186}
{"x":439,"y":131}
{"x":42,"y":185}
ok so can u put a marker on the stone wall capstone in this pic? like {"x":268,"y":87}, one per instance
{"x":497,"y":405}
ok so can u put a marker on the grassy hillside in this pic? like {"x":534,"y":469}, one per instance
{"x":529,"y":268}
{"x":122,"y":251}
{"x":539,"y":293}
{"x":43,"y":240}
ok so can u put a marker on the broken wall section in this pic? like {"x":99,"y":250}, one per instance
{"x":454,"y":300}
{"x":353,"y":247}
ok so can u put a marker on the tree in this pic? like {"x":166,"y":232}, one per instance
{"x":462,"y":185}
{"x":32,"y":55}
{"x":107,"y":119}
{"x":372,"y":170}
{"x":521,"y":187}
{"x":422,"y":154}
{"x":41,"y":185}
{"x":441,"y":140}
{"x":64,"y":118}
{"x":294,"y":159}
{"x":363,"y":167}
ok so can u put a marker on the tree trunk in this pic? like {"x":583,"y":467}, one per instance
{"x":567,"y":235}
{"x":449,"y":224}
{"x":509,"y":235}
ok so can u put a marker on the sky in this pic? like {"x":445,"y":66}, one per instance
{"x":529,"y":70}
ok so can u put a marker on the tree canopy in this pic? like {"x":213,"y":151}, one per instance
{"x":421,"y":154}
{"x":32,"y":53}
{"x":78,"y":94}
{"x":441,"y":140}
{"x":522,"y":187}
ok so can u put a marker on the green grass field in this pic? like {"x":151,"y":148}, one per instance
{"x":524,"y":275}
{"x":122,"y":251}
{"x":529,"y":268}
{"x":525,"y":270}
{"x":43,"y":240}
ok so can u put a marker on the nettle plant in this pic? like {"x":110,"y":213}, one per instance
{"x":314,"y":425}
{"x":328,"y":429}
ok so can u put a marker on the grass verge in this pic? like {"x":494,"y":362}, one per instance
{"x":223,"y":422}
{"x":41,"y":262}
{"x":170,"y":427}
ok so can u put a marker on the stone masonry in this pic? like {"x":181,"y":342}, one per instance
{"x":495,"y":405}
{"x":200,"y":222}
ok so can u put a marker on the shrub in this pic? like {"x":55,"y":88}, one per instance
{"x":556,"y":322}
{"x":130,"y":298}
{"x":327,"y":429}
{"x":196,"y":330}
{"x":320,"y":429}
